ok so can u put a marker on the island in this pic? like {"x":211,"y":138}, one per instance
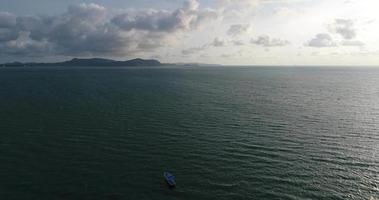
{"x":89,"y":62}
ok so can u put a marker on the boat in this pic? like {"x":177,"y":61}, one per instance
{"x":170,"y":179}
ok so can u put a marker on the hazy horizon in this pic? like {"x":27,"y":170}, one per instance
{"x":205,"y":64}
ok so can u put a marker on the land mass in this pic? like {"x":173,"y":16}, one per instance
{"x":100,"y":62}
{"x":90,"y":62}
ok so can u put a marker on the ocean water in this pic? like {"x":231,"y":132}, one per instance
{"x":224,"y":132}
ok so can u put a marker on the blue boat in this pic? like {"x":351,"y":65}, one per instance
{"x":170,"y":179}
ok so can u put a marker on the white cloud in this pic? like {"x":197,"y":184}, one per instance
{"x":285,"y":12}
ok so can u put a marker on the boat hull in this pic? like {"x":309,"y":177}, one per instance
{"x":170,"y":179}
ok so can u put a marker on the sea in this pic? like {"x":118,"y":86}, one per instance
{"x":224,"y":132}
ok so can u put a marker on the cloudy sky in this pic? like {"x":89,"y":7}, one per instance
{"x":236,"y":32}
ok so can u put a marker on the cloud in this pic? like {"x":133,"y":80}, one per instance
{"x":321,"y":40}
{"x":232,"y":55}
{"x":237,"y":29}
{"x":247,"y":4}
{"x":194,"y":50}
{"x":149,"y":44}
{"x":266,"y":41}
{"x":344,"y":27}
{"x":237,"y":42}
{"x":7,"y":20}
{"x":88,"y":12}
{"x":286,"y":12}
{"x":326,"y":40}
{"x":186,"y":18}
{"x":82,"y":30}
{"x":191,"y":5}
{"x":91,"y":30}
{"x":352,"y":43}
{"x":7,"y":35}
{"x":22,"y":45}
{"x":217,"y":42}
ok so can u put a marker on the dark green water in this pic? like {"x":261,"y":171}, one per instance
{"x":226,"y":133}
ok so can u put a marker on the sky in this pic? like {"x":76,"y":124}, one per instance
{"x":230,"y":32}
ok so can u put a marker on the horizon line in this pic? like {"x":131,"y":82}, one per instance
{"x":194,"y":63}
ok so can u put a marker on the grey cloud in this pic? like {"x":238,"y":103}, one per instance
{"x":325,"y":40}
{"x":22,"y":45}
{"x":150,"y":21}
{"x":150,"y":42}
{"x":322,"y":40}
{"x":230,"y":55}
{"x":186,"y":18}
{"x":82,"y":30}
{"x":7,"y":20}
{"x":217,"y":42}
{"x":344,"y":27}
{"x":90,"y":30}
{"x":7,"y":35}
{"x":237,"y":29}
{"x":266,"y":41}
{"x":87,"y":12}
{"x":194,"y":50}
{"x":39,"y":27}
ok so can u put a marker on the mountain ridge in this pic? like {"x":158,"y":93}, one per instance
{"x":89,"y":62}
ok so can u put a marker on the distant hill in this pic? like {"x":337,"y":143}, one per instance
{"x":91,"y":62}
